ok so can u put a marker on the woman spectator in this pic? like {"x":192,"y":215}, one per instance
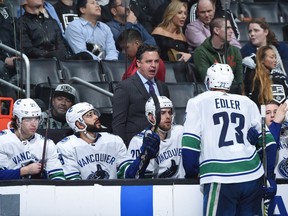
{"x":260,"y":35}
{"x":267,"y":84}
{"x":169,"y":36}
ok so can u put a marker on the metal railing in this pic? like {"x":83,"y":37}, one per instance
{"x":27,"y":64}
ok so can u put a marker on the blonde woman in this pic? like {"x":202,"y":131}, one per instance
{"x":169,"y":36}
{"x":266,"y":84}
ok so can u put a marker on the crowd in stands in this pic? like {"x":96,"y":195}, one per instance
{"x":148,"y":36}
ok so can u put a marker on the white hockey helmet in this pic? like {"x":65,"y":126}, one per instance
{"x":164,"y":102}
{"x":76,"y":112}
{"x":26,"y":107}
{"x":219,"y":76}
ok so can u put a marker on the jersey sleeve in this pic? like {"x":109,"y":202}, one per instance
{"x":191,"y":139}
{"x":53,"y":166}
{"x":68,"y":160}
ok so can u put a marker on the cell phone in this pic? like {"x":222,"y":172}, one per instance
{"x":178,"y":56}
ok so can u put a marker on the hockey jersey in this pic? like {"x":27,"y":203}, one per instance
{"x":106,"y":158}
{"x":168,"y":163}
{"x":216,"y":125}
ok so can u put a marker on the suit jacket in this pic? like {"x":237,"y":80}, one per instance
{"x":129,"y":102}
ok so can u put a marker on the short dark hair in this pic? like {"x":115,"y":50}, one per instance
{"x":145,"y":48}
{"x":129,"y":35}
{"x":216,"y":23}
{"x":80,"y":4}
{"x":111,"y":4}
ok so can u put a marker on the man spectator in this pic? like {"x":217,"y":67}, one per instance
{"x":89,"y":35}
{"x":41,"y":36}
{"x":124,"y":18}
{"x":91,"y":154}
{"x":129,"y":41}
{"x":198,"y":30}
{"x":21,"y":148}
{"x":66,"y":11}
{"x":131,"y":94}
{"x":63,"y":99}
{"x":215,"y":49}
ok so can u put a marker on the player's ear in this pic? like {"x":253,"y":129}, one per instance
{"x":79,"y":125}
{"x":151,"y":118}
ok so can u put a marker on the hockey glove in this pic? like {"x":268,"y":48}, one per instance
{"x":249,"y":61}
{"x":270,"y":190}
{"x":150,"y":146}
{"x":252,"y":136}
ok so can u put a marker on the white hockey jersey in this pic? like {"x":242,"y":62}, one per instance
{"x":104,"y":159}
{"x":15,"y":154}
{"x":216,"y":125}
{"x":168,"y":164}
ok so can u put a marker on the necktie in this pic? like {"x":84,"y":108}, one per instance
{"x":151,"y":88}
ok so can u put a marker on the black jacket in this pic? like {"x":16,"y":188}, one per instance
{"x":41,"y":37}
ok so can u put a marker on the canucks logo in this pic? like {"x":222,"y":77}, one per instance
{"x":283,"y":168}
{"x":99,"y":174}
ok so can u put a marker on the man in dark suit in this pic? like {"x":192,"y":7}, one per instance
{"x":131,"y":95}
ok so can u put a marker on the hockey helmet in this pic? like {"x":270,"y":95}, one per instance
{"x":164,"y":102}
{"x":26,"y":107}
{"x":76,"y":112}
{"x":219,"y":76}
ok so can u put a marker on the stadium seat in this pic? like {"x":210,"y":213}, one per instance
{"x":267,"y":10}
{"x":180,"y":72}
{"x":100,"y":101}
{"x":88,"y":70}
{"x":284,"y":11}
{"x":180,"y":93}
{"x":277,"y":28}
{"x":243,"y":29}
{"x":113,"y":70}
{"x":40,"y":70}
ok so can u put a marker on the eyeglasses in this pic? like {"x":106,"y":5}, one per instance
{"x":91,"y":113}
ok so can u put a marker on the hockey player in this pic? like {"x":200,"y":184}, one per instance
{"x":21,"y":147}
{"x":168,"y":163}
{"x":90,"y":154}
{"x":215,"y":141}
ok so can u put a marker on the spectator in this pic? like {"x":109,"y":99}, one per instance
{"x":90,"y":154}
{"x":7,"y":37}
{"x":227,"y":163}
{"x":168,"y":34}
{"x":63,"y":99}
{"x":66,"y":12}
{"x":264,"y":84}
{"x":21,"y":148}
{"x":89,"y":35}
{"x":212,"y":50}
{"x":131,"y":95}
{"x":41,"y":36}
{"x":129,"y":41}
{"x":198,"y":30}
{"x":275,"y":117}
{"x":48,"y":10}
{"x":124,"y":18}
{"x":260,"y":35}
{"x":166,"y":164}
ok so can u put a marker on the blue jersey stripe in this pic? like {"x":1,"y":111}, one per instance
{"x":137,"y":200}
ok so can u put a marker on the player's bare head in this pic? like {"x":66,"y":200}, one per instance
{"x":166,"y":112}
{"x":219,"y":77}
{"x":79,"y":114}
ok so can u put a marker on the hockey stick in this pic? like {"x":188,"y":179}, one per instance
{"x":264,"y":156}
{"x":46,"y":131}
{"x":144,"y":156}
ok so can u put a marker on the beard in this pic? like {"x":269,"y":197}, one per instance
{"x":93,"y":127}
